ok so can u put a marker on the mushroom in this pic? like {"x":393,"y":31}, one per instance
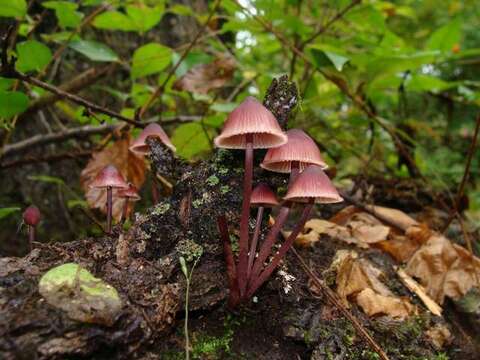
{"x":129,"y":194}
{"x":141,"y":147}
{"x":311,"y":186}
{"x":109,"y":178}
{"x":294,"y":156}
{"x":262,"y":196}
{"x":31,"y":217}
{"x":250,"y":126}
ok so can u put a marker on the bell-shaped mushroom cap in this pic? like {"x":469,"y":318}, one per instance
{"x":31,"y":215}
{"x":251,"y":118}
{"x":131,"y":193}
{"x":313,"y":183}
{"x":109,"y":177}
{"x":140,"y":145}
{"x":300,"y":147}
{"x":262,"y":195}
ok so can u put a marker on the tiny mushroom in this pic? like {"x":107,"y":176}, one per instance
{"x":294,"y":156}
{"x":109,"y":178}
{"x":129,"y":194}
{"x":262,"y":196}
{"x":140,"y":145}
{"x":250,"y":126}
{"x":311,"y":186}
{"x":31,"y":217}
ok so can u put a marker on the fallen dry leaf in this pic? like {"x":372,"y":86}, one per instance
{"x":439,"y":336}
{"x":402,"y":247}
{"x":359,"y":280}
{"x":374,"y":304}
{"x":202,"y":78}
{"x":130,"y":166}
{"x":367,"y":229}
{"x":444,"y":269}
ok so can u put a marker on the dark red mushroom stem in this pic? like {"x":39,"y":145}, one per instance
{"x":247,"y":192}
{"x":234,"y":298}
{"x":294,"y":171}
{"x":31,"y":236}
{"x":259,"y":280}
{"x":253,"y":245}
{"x":269,"y":241}
{"x":109,"y":209}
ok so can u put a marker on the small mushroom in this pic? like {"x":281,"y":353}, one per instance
{"x":262,"y":196}
{"x":294,"y":156}
{"x":31,"y":217}
{"x":129,"y":194}
{"x":109,"y":178}
{"x":311,"y":186}
{"x":250,"y":126}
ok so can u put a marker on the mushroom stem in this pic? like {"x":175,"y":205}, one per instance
{"x":109,"y":209}
{"x":124,"y":211}
{"x":269,"y":241}
{"x":247,"y":192}
{"x":294,"y":171}
{"x":253,"y":245}
{"x":31,"y":236}
{"x":258,"y":281}
{"x":234,"y":297}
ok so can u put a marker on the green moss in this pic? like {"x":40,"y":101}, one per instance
{"x":189,"y":249}
{"x":197,"y":203}
{"x":161,"y":208}
{"x":225,"y":189}
{"x":223,"y":170}
{"x":213,"y":180}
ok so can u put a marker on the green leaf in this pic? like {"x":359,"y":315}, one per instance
{"x":12,"y":103}
{"x":324,"y":57}
{"x":427,"y":83}
{"x":13,"y":8}
{"x":150,"y":59}
{"x":66,"y":13}
{"x":76,"y":203}
{"x":446,"y":37}
{"x":183,"y":266}
{"x":32,"y":55}
{"x":5,"y":212}
{"x":94,"y":50}
{"x":144,"y":17}
{"x":223,"y":107}
{"x":47,"y":179}
{"x":5,"y":84}
{"x":191,"y":140}
{"x":114,"y":20}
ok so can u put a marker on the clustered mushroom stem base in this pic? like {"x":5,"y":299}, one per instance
{"x":259,"y":280}
{"x":109,"y":209}
{"x":253,"y":245}
{"x":243,"y":242}
{"x":269,"y":241}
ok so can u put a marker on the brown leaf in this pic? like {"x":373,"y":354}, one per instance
{"x":444,"y":269}
{"x":367,"y":229}
{"x":130,"y":166}
{"x":359,"y":280}
{"x":439,"y":336}
{"x":202,"y":78}
{"x":374,"y":304}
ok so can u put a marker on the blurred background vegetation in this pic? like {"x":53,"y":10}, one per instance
{"x":388,"y":89}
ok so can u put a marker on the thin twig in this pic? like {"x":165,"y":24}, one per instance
{"x":159,"y":91}
{"x":43,"y":139}
{"x":466,"y":173}
{"x":337,"y":303}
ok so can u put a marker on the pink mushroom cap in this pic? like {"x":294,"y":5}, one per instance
{"x":140,"y":145}
{"x":131,"y":193}
{"x":109,"y":177}
{"x":300,"y":147}
{"x":251,"y":118}
{"x":262,"y":195}
{"x":313,"y":183}
{"x":31,"y":215}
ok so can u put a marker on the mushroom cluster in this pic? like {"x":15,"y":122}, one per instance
{"x":252,"y":126}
